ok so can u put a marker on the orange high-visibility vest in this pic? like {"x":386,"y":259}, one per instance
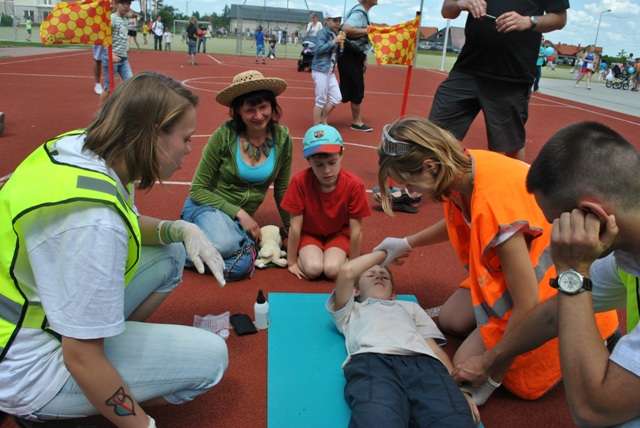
{"x":501,"y":204}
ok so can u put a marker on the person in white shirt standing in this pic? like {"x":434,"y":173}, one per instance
{"x":157,"y":28}
{"x":314,"y":26}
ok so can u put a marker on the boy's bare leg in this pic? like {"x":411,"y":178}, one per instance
{"x":334,"y":258}
{"x":328,"y":108}
{"x":310,"y":260}
{"x":317,"y":115}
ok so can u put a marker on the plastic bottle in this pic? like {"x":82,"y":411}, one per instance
{"x":261,"y":311}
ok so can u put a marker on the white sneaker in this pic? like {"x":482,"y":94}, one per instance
{"x":98,"y":89}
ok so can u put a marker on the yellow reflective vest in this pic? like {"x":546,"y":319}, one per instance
{"x":632,"y":284}
{"x":41,"y":184}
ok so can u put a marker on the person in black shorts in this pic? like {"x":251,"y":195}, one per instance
{"x":496,"y":68}
{"x":352,"y":62}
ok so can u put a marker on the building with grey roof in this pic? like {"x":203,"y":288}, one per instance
{"x":246,"y":18}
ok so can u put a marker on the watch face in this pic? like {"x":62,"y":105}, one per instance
{"x":570,"y":282}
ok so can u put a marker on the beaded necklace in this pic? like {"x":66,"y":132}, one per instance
{"x":256,"y":152}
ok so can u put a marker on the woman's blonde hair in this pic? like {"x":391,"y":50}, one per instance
{"x":427,"y":141}
{"x":128,"y":124}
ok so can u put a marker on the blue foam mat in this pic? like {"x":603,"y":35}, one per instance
{"x":305,"y":353}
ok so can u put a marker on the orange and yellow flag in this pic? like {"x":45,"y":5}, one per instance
{"x":86,"y":22}
{"x":395,"y":44}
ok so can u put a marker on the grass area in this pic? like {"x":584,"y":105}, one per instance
{"x":10,"y":37}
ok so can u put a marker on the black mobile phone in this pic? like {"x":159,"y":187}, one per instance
{"x":242,"y":324}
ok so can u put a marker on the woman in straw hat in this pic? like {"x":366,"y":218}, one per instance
{"x":243,"y":157}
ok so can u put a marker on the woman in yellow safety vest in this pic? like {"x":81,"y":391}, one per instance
{"x":79,"y":264}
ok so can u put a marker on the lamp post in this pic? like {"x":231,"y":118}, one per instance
{"x":595,"y":43}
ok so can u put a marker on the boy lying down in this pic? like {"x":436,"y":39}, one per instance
{"x":397,"y":375}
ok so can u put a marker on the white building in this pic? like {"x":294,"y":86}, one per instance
{"x":37,"y":10}
{"x":245,"y":18}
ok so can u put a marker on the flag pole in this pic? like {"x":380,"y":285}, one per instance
{"x":112,"y":80}
{"x":407,"y":80}
{"x":111,"y":77}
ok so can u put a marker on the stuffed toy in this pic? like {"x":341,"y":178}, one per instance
{"x":270,"y":252}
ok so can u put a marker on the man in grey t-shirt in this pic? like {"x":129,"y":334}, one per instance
{"x":352,"y":62}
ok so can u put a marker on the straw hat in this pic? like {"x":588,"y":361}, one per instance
{"x":250,"y":81}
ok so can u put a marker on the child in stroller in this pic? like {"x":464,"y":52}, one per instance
{"x":617,"y":78}
{"x":306,"y":56}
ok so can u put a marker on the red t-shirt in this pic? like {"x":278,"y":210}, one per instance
{"x":326,"y":214}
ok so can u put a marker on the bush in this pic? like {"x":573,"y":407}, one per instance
{"x":6,"y":20}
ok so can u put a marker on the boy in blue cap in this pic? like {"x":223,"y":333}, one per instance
{"x":327,"y":205}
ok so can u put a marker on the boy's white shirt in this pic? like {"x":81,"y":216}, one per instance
{"x":393,"y":327}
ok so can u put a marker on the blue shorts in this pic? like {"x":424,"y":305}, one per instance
{"x":191,"y":44}
{"x":121,"y":67}
{"x":98,"y":52}
{"x":260,"y":50}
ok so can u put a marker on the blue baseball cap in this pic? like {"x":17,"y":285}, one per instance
{"x":321,"y":139}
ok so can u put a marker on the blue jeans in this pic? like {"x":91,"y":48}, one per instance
{"x":175,"y":362}
{"x":122,"y":67}
{"x":226,"y":234}
{"x":202,"y":41}
{"x":191,"y":46}
{"x":403,"y":391}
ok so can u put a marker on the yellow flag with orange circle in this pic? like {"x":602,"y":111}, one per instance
{"x":86,"y":22}
{"x":395,"y":44}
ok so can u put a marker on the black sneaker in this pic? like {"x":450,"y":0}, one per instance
{"x":362,"y":128}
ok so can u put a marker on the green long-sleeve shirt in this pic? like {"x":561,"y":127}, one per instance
{"x":217,"y":183}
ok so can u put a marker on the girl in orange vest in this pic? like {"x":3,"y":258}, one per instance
{"x":497,"y":231}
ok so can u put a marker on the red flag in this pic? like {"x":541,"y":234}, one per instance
{"x":86,"y":22}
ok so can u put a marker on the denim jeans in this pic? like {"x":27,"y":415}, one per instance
{"x":175,"y":362}
{"x":403,"y":391}
{"x":227,"y":235}
{"x":122,"y":67}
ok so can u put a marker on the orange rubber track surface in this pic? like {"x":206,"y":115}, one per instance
{"x":43,"y":96}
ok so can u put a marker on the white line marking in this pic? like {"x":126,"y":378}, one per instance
{"x":589,"y":110}
{"x":566,"y":105}
{"x":188,"y":183}
{"x":188,"y":83}
{"x":366,"y":146}
{"x":45,"y":75}
{"x":53,"y":56}
{"x":215,"y":59}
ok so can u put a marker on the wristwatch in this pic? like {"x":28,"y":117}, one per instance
{"x":534,"y":22}
{"x":571,"y":282}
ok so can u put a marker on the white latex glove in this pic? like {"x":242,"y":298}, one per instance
{"x":394,"y":247}
{"x":199,"y":248}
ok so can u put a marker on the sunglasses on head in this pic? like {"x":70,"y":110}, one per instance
{"x":392,"y":147}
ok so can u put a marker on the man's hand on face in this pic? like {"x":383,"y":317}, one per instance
{"x":579,"y":237}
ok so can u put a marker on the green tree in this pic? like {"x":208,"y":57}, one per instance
{"x":168,"y":14}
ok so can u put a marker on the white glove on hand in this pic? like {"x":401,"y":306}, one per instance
{"x":394,"y":247}
{"x":199,"y":248}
